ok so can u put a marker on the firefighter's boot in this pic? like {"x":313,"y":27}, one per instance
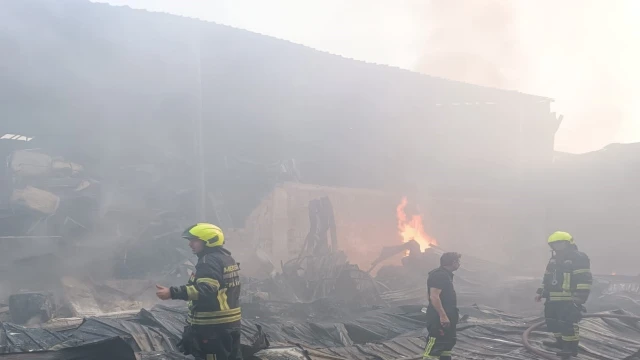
{"x":574,"y":348}
{"x":569,"y":349}
{"x":557,"y":344}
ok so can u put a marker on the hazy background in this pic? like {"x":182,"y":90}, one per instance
{"x":582,"y":53}
{"x":117,"y":91}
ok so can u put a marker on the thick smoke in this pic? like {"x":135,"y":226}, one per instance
{"x":579,"y":52}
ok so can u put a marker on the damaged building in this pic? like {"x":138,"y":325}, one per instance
{"x":295,"y":117}
{"x":128,"y":113}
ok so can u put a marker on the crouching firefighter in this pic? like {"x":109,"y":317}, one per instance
{"x":213,"y":292}
{"x":442,"y":312}
{"x":565,"y":287}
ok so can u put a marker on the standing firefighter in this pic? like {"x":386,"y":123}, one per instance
{"x":442,"y":312}
{"x":213,"y":293}
{"x":566,"y":286}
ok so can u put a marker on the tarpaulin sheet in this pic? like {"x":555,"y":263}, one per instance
{"x":162,"y":355}
{"x":486,"y":333}
{"x":346,"y":330}
{"x":16,"y":338}
{"x":156,"y":330}
{"x":387,"y":333}
{"x":489,"y":334}
{"x":152,"y":334}
{"x":172,"y":320}
{"x":109,"y":349}
{"x":140,"y":337}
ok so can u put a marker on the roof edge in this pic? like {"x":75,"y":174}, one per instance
{"x":393,"y":67}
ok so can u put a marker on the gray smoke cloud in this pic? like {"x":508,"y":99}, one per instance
{"x":581,"y":53}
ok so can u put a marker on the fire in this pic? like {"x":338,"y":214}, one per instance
{"x":412,"y":229}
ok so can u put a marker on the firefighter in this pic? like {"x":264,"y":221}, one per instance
{"x":213,"y":292}
{"x":565,"y":287}
{"x":442,"y":312}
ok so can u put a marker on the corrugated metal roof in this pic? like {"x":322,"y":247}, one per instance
{"x":148,"y":56}
{"x":132,"y":82}
{"x":384,"y":334}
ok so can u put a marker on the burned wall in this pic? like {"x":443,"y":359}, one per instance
{"x":365,"y":221}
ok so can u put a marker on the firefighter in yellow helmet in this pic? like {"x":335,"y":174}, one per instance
{"x":565,"y":287}
{"x":213,"y":293}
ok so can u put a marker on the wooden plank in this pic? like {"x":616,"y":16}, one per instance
{"x":80,"y":298}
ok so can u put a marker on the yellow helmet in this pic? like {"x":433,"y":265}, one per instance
{"x":561,"y":236}
{"x":209,"y":233}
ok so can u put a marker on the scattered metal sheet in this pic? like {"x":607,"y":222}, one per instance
{"x":108,"y":349}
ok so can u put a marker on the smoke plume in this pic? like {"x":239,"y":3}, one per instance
{"x":581,"y":53}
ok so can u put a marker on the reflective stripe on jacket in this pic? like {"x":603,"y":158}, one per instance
{"x":213,"y":291}
{"x":567,"y":277}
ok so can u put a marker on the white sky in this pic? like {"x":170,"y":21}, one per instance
{"x":583,"y":53}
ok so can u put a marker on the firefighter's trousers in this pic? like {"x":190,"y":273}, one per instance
{"x":222,"y":344}
{"x":562,"y":318}
{"x":440,"y":341}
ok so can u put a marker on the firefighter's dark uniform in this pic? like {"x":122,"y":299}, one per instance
{"x":566,"y":286}
{"x":441,"y":340}
{"x":213,"y":292}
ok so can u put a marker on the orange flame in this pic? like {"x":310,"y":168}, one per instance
{"x":412,"y":229}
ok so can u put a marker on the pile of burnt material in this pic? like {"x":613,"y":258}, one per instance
{"x":31,"y":307}
{"x":47,"y":196}
{"x":384,"y":333}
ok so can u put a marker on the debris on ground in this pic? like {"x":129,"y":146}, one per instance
{"x":385,"y":333}
{"x":316,"y":304}
{"x":31,"y":307}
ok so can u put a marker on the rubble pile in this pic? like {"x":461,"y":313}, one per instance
{"x":49,"y":196}
{"x":321,"y":306}
{"x":299,"y":315}
{"x":385,"y":333}
{"x":91,"y":246}
{"x":129,"y":208}
{"x":315,"y":305}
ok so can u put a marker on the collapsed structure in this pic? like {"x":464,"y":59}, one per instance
{"x":110,"y":174}
{"x":295,"y":117}
{"x":292,"y":322}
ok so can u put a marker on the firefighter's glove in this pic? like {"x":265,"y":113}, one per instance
{"x":181,"y":348}
{"x":579,"y":305}
{"x":188,"y":345}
